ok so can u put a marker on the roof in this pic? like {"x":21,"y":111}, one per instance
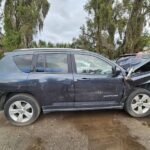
{"x":34,"y":50}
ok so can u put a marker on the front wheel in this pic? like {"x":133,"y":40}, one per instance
{"x":138,"y":103}
{"x":21,"y":109}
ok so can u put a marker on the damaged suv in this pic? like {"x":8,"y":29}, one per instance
{"x":46,"y":80}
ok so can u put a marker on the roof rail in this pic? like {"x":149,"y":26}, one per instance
{"x":34,"y":49}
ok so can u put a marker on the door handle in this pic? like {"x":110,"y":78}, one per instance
{"x":84,"y":78}
{"x":79,"y":79}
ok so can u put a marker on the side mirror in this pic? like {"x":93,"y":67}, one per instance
{"x":116,"y":71}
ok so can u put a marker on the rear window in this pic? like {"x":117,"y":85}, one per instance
{"x":23,"y":62}
{"x":6,"y":65}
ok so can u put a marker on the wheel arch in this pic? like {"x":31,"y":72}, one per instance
{"x":4,"y":98}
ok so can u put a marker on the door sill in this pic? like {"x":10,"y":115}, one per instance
{"x":47,"y":110}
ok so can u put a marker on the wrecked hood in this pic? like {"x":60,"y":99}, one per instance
{"x":140,"y":74}
{"x":144,"y":66}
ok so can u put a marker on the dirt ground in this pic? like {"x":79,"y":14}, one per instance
{"x":87,"y":130}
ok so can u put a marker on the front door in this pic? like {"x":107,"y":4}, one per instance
{"x":94,"y":83}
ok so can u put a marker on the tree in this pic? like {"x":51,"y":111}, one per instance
{"x":50,"y":45}
{"x":84,"y":39}
{"x":42,"y":43}
{"x":22,"y":19}
{"x":34,"y":44}
{"x":99,"y":31}
{"x":134,"y":31}
{"x":126,"y":19}
{"x":62,"y":45}
{"x":105,"y":18}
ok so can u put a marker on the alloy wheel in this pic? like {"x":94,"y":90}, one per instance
{"x":141,"y":104}
{"x":21,"y":111}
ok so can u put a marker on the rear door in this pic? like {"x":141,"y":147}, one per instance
{"x":53,"y":80}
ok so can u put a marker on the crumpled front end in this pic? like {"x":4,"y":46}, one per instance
{"x":142,"y":80}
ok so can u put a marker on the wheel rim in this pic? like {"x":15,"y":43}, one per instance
{"x":141,"y":104}
{"x":21,"y":111}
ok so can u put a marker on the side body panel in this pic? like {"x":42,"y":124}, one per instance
{"x":52,"y":90}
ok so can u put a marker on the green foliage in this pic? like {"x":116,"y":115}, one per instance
{"x":50,"y":45}
{"x":127,"y":17}
{"x":22,"y":19}
{"x":34,"y":44}
{"x":84,"y":39}
{"x":143,"y":41}
{"x":12,"y":40}
{"x":134,"y":31}
{"x":43,"y":44}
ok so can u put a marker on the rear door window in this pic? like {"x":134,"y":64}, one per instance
{"x":52,"y":63}
{"x":24,"y":62}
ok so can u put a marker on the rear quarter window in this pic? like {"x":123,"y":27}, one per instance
{"x":23,"y":62}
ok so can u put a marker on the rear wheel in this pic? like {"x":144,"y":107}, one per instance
{"x":22,"y":109}
{"x":138,"y":103}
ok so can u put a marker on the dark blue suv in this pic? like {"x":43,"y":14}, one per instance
{"x":46,"y":80}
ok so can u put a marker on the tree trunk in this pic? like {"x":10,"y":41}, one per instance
{"x":134,"y":28}
{"x":98,"y":31}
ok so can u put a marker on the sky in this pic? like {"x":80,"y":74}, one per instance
{"x":63,"y":21}
{"x":2,"y":20}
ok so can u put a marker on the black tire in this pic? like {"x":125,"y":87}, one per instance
{"x":128,"y":102}
{"x":29,"y":100}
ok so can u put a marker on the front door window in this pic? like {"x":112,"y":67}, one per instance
{"x":86,"y":64}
